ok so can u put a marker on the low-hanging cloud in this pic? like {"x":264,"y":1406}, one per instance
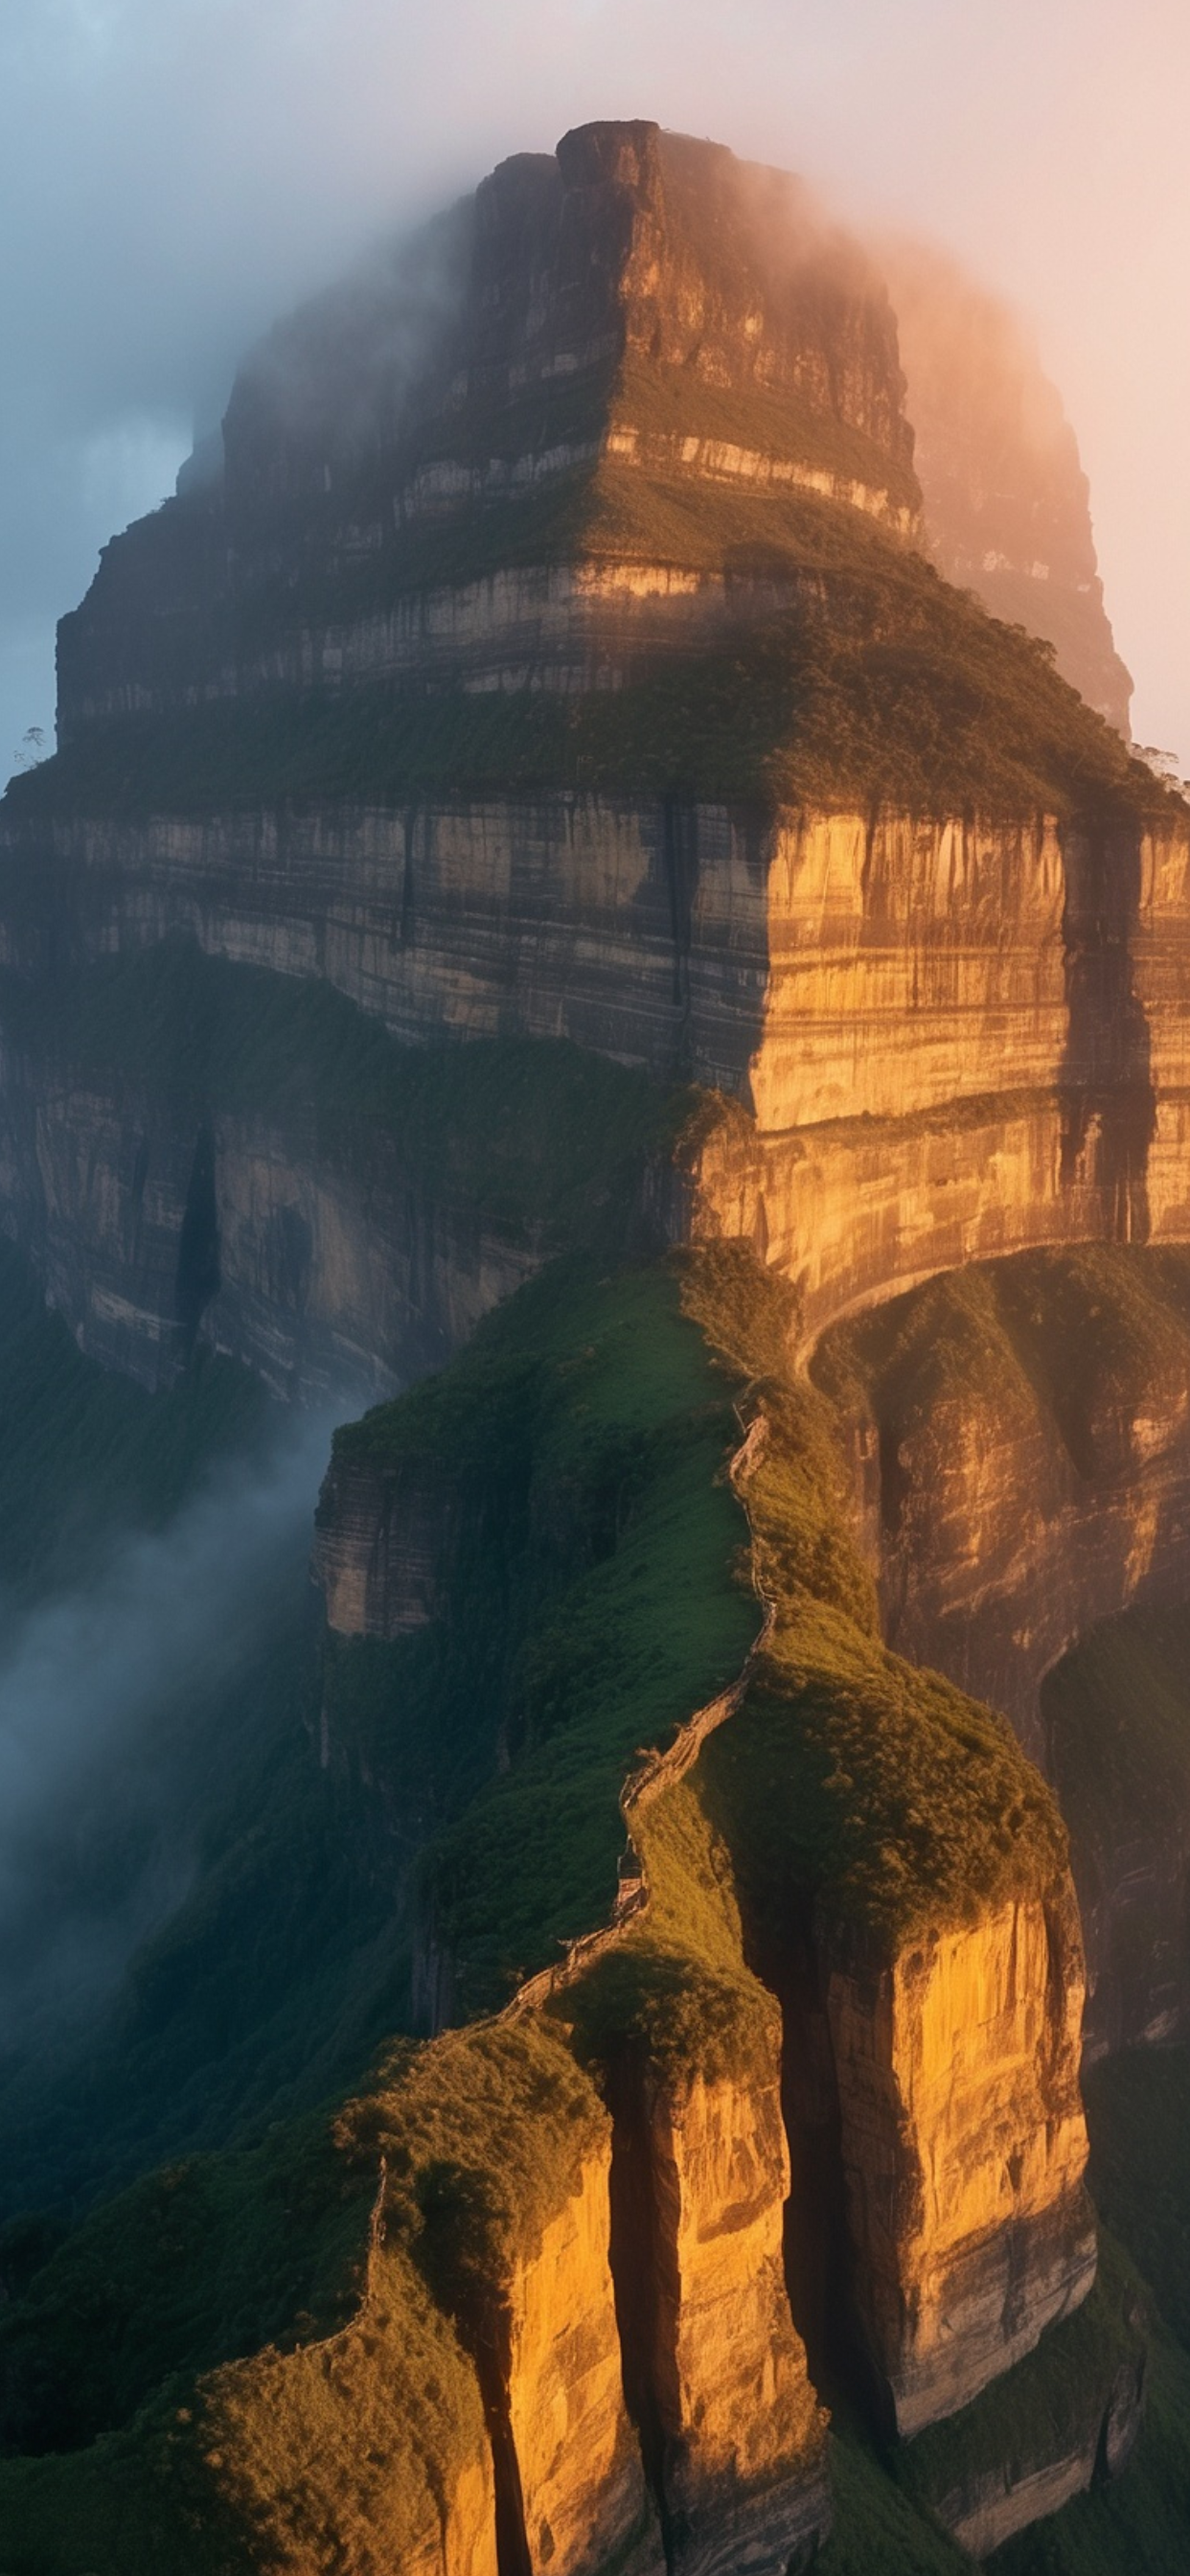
{"x":104,"y":1694}
{"x":174,"y":173}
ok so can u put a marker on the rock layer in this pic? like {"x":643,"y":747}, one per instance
{"x":575,"y":2497}
{"x":640,"y":297}
{"x":964,"y":2147}
{"x":715,"y":2366}
{"x":960,"y":1040}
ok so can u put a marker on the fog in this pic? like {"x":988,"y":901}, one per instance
{"x":110,"y":1750}
{"x":173,"y":173}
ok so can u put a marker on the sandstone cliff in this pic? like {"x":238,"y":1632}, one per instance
{"x":1019,"y":1439}
{"x":712,"y":2357}
{"x":639,"y":298}
{"x":964,"y":2148}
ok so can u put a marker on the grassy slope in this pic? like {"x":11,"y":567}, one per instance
{"x":586,"y":1437}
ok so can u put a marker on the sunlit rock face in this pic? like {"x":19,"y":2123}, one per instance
{"x":574,"y":2494}
{"x":964,"y":2147}
{"x":956,"y":1040}
{"x":1007,"y":504}
{"x":715,"y":2366}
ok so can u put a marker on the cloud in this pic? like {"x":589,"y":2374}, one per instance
{"x":174,"y":173}
{"x":107,"y":1696}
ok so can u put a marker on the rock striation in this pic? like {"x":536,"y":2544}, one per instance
{"x":1022,"y":1473}
{"x":712,"y":2358}
{"x":964,"y":2148}
{"x":638,"y":298}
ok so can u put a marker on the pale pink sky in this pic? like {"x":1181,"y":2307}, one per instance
{"x":173,"y":171}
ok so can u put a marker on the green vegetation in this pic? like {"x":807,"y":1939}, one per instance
{"x":204,"y":2259}
{"x":848,"y":1775}
{"x":334,"y":2259}
{"x":585,"y":1436}
{"x":675,"y":1989}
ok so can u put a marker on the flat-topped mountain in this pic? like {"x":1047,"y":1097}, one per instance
{"x":547,"y":908}
{"x":636,"y":307}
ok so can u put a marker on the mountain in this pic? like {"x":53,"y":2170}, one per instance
{"x":1007,"y":504}
{"x":551,"y":920}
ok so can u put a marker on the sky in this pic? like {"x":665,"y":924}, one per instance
{"x":175,"y":173}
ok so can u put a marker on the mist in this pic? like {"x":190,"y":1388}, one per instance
{"x":175,"y":173}
{"x":110,"y":1747}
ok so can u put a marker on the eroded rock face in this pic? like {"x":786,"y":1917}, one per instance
{"x":714,"y":2366}
{"x":380,"y":1549}
{"x":585,"y":306}
{"x":964,"y":2147}
{"x":152,"y":1223}
{"x":1005,"y":1522}
{"x":959,"y":1040}
{"x":582,"y":2499}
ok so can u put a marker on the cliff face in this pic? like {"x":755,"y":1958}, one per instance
{"x":964,"y":2148}
{"x":1009,"y":1494}
{"x":1022,"y":1473}
{"x":725,"y":2402}
{"x":640,"y":298}
{"x":957,"y":1042}
{"x":1007,"y":505}
{"x":570,"y":2449}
